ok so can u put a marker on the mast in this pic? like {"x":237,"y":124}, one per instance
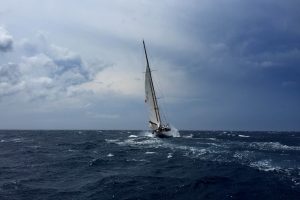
{"x":156,"y":109}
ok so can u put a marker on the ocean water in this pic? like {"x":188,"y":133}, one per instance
{"x":134,"y":165}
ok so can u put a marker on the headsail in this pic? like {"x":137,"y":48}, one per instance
{"x":151,"y":100}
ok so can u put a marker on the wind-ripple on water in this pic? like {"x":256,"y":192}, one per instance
{"x":135,"y":165}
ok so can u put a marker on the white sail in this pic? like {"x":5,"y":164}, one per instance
{"x":155,"y":123}
{"x":154,"y":117}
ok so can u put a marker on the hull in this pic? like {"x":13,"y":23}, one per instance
{"x":161,"y":134}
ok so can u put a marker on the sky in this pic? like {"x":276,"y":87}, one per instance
{"x":217,"y":65}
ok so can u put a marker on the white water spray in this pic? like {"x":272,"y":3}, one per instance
{"x":173,"y":133}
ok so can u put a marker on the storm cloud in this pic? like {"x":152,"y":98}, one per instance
{"x":220,"y":64}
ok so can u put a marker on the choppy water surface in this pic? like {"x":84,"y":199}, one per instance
{"x":134,"y":165}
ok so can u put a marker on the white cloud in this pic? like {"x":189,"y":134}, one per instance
{"x":7,"y":89}
{"x":115,"y":80}
{"x":6,"y":40}
{"x":46,"y":72}
{"x":9,"y":73}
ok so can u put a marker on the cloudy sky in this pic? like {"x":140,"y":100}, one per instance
{"x":219,"y":64}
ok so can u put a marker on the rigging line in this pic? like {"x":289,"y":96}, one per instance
{"x":163,"y":108}
{"x":154,"y":98}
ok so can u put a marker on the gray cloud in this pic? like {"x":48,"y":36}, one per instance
{"x":6,"y":40}
{"x":10,"y":82}
{"x":48,"y":71}
{"x":9,"y":73}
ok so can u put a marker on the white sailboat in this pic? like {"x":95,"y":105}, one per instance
{"x":159,"y":128}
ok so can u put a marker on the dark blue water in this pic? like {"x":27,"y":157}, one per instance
{"x":133,"y":165}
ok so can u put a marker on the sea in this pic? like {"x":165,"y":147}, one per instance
{"x":128,"y":164}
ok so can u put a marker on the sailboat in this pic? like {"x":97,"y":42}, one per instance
{"x":159,"y":128}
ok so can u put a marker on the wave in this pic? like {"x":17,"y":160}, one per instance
{"x":188,"y":136}
{"x":264,"y":165}
{"x":111,"y":140}
{"x":16,"y":140}
{"x":146,"y":134}
{"x":244,"y":136}
{"x":273,"y":146}
{"x":153,"y":142}
{"x":150,"y":152}
{"x":268,"y":165}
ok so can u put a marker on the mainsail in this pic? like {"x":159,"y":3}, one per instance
{"x":151,"y":100}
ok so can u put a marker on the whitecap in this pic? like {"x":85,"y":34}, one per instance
{"x":110,"y":155}
{"x":150,"y":152}
{"x":17,"y":140}
{"x":211,"y":138}
{"x":245,"y":136}
{"x":243,"y":156}
{"x":111,"y":140}
{"x":170,"y":155}
{"x":132,"y":136}
{"x":273,"y":146}
{"x":264,"y":165}
{"x":133,"y":141}
{"x":188,"y":136}
{"x":147,"y":134}
{"x":201,"y":138}
{"x":138,"y":160}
